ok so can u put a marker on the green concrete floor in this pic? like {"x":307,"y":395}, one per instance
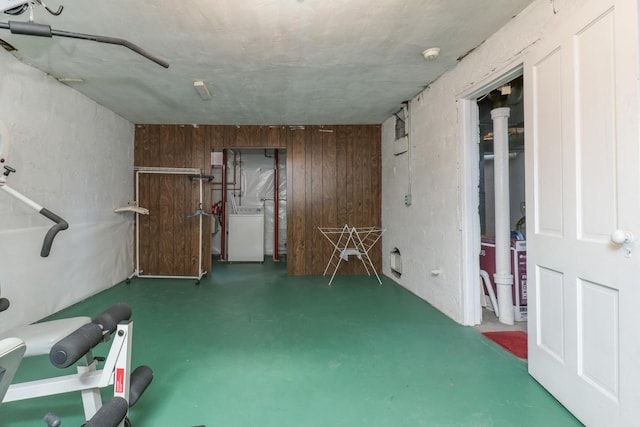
{"x":251,"y":346}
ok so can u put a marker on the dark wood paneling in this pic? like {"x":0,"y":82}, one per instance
{"x":247,"y":137}
{"x":343,"y":173}
{"x":164,"y":240}
{"x":333,"y":179}
{"x":330,"y":176}
{"x":296,"y":203}
{"x":200,"y":139}
{"x":149,"y":201}
{"x":168,"y":157}
{"x":170,"y":244}
{"x":275,"y":137}
{"x":315,"y":207}
{"x":215,"y":136}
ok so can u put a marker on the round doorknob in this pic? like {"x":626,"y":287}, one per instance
{"x":620,"y":237}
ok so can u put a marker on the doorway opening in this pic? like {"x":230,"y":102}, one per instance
{"x":501,"y":202}
{"x":476,"y":126}
{"x":249,"y":205}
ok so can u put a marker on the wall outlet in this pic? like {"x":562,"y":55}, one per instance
{"x":407,"y":200}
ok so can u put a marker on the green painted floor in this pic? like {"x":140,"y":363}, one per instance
{"x":251,"y":346}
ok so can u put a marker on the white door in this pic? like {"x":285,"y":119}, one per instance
{"x":583,"y":182}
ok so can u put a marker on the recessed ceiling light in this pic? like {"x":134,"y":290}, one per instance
{"x":431,"y":53}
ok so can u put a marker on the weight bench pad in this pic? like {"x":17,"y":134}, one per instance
{"x":40,"y":337}
{"x":11,"y":351}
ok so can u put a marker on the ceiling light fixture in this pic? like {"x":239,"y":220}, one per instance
{"x":431,"y":53}
{"x":202,"y":89}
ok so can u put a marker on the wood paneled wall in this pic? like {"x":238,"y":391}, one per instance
{"x":333,"y":178}
{"x":169,"y":242}
{"x":175,"y":146}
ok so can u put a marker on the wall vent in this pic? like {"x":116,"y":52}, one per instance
{"x":395,"y":262}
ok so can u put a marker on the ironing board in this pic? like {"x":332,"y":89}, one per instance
{"x":351,"y":241}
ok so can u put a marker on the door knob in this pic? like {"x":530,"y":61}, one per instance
{"x":624,"y":239}
{"x":620,"y":237}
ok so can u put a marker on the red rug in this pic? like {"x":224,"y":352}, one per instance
{"x":514,"y":342}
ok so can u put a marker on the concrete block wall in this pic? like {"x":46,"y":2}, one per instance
{"x":428,"y":233}
{"x":75,"y":158}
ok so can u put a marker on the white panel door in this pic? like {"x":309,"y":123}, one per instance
{"x":583,"y":183}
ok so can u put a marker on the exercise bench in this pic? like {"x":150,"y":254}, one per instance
{"x":69,"y":342}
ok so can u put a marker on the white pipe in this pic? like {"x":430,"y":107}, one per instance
{"x":491,"y":157}
{"x":137,"y":270}
{"x":503,"y":276}
{"x":22,"y":198}
{"x":200,"y":272}
{"x":408,"y":124}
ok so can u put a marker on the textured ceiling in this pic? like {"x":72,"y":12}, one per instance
{"x":265,"y":61}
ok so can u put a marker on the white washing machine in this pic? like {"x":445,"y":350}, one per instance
{"x":246,"y":237}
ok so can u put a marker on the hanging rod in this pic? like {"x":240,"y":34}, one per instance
{"x":207,"y":177}
{"x":41,"y":30}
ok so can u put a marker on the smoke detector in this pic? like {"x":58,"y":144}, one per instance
{"x":431,"y":53}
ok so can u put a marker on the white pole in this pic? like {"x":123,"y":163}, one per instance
{"x":200,"y":271}
{"x":503,"y":276}
{"x":22,"y":198}
{"x":137,"y":272}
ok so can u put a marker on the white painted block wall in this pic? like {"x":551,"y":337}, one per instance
{"x":75,"y":158}
{"x":428,"y":233}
